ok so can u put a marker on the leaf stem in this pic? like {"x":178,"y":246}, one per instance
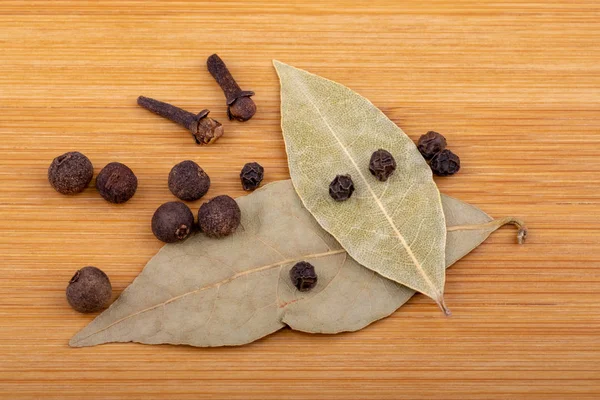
{"x":442,"y":304}
{"x":521,"y":233}
{"x":495,"y":224}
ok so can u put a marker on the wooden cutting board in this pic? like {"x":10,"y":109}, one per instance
{"x":514,"y":86}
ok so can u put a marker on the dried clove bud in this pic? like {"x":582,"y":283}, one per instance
{"x":70,"y":173}
{"x":116,"y":183}
{"x":187,"y":181}
{"x":341,"y":188}
{"x":430,"y":144}
{"x":205,"y":130}
{"x":382,"y":165}
{"x":252,"y":175}
{"x":172,"y":222}
{"x":303,"y":276}
{"x":239,"y":104}
{"x":219,"y":217}
{"x":89,"y":290}
{"x":445,"y":163}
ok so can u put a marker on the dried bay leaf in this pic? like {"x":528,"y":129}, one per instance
{"x":396,"y":228}
{"x":209,"y":292}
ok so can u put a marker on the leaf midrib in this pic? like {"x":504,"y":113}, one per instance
{"x":215,"y":285}
{"x":377,"y":201}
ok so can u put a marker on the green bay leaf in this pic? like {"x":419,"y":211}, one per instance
{"x":395,"y":228}
{"x":232,"y":291}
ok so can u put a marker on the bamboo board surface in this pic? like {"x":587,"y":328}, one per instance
{"x":514,"y":86}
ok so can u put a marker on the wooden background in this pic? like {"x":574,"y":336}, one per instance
{"x":514,"y":86}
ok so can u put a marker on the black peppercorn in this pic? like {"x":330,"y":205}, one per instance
{"x":187,"y":181}
{"x":116,"y":183}
{"x":430,"y":144}
{"x":382,"y":165}
{"x":341,"y":188}
{"x":445,"y":163}
{"x":89,"y":290}
{"x":219,"y":217}
{"x":303,"y":276}
{"x":252,"y":175}
{"x":172,"y":222}
{"x":70,"y":173}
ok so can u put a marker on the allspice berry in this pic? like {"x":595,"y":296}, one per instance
{"x":172,"y":222}
{"x":382,"y":165}
{"x":116,"y":183}
{"x":303,"y":276}
{"x":430,"y":144}
{"x":89,"y":290}
{"x":70,"y":173}
{"x":445,"y":163}
{"x":219,"y":217}
{"x":252,"y":175}
{"x":341,"y":188}
{"x":188,"y":182}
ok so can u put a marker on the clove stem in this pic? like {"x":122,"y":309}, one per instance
{"x":220,"y":72}
{"x":184,"y":118}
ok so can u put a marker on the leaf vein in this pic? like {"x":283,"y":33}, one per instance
{"x":214,"y":285}
{"x":374,"y":195}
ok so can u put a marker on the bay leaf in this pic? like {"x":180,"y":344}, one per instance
{"x":397,"y":227}
{"x":232,"y":291}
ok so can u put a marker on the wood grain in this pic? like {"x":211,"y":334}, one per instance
{"x":514,"y":86}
